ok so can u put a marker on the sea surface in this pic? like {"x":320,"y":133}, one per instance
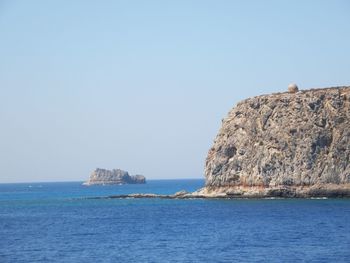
{"x":57,"y":222}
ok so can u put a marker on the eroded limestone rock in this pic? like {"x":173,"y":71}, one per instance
{"x":115,"y":176}
{"x":294,"y":141}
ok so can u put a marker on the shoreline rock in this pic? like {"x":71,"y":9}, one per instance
{"x":327,"y":190}
{"x":317,"y":192}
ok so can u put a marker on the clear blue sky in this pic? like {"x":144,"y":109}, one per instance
{"x":143,"y":85}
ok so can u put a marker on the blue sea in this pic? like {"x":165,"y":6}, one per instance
{"x":56,"y":222}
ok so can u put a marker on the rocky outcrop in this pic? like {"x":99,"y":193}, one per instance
{"x":292,"y":144}
{"x":115,"y":176}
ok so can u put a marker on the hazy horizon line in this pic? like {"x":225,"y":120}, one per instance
{"x":78,"y":181}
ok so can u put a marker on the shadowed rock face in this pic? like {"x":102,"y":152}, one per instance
{"x":116,"y":176}
{"x":285,"y":140}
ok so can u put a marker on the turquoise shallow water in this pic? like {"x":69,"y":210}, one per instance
{"x":54,"y":222}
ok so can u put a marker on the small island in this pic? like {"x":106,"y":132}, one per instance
{"x":116,"y":176}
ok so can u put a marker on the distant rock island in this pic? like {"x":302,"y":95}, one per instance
{"x":115,"y":176}
{"x":291,"y":144}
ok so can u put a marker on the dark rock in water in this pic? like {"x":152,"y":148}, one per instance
{"x":291,"y":144}
{"x":115,"y":176}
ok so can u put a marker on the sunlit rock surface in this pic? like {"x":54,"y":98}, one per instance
{"x":115,"y":176}
{"x":292,"y":144}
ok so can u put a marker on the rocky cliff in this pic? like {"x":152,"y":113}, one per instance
{"x":115,"y":176}
{"x":294,"y":144}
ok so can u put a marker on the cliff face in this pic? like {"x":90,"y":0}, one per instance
{"x":116,"y":176}
{"x":284,"y":144}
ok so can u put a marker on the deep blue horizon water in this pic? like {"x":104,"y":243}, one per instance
{"x":54,"y":222}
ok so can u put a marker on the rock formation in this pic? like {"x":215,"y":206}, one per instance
{"x":116,"y":176}
{"x":292,"y":144}
{"x":293,"y":88}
